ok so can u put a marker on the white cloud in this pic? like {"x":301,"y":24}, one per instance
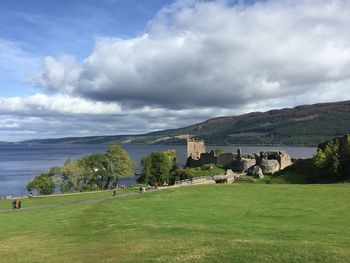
{"x":41,"y":104}
{"x":60,"y":75}
{"x":205,"y":54}
{"x":197,"y":60}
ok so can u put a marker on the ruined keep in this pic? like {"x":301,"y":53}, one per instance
{"x":195,"y":148}
{"x":268,"y":162}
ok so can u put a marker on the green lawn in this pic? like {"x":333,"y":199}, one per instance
{"x":208,"y":223}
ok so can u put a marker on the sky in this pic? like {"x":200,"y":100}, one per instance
{"x":106,"y":67}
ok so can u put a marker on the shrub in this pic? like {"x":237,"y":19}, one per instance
{"x":207,"y":167}
{"x":332,"y":159}
{"x":179,"y":174}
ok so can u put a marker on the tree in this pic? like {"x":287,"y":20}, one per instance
{"x":332,"y":159}
{"x":173,"y":158}
{"x":73,"y":176}
{"x":119,"y":163}
{"x":327,"y":159}
{"x":156,"y":167}
{"x":43,"y":183}
{"x":97,"y":174}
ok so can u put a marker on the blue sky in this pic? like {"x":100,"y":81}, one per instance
{"x":61,"y":27}
{"x":79,"y":68}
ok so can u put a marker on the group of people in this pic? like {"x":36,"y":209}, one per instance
{"x":149,"y":187}
{"x":16,"y":204}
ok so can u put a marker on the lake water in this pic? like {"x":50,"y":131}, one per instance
{"x":20,"y":163}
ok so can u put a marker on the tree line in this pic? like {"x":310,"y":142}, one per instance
{"x":100,"y":171}
{"x":96,"y":171}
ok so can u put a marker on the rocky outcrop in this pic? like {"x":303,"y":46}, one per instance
{"x":257,"y":172}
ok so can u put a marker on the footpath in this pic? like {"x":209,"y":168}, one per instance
{"x":91,"y":200}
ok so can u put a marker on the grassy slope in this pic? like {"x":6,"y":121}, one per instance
{"x":198,"y":171}
{"x":212,"y":223}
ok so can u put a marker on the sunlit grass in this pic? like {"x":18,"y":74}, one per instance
{"x":210,"y":223}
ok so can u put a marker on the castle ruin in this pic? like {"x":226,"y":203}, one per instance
{"x":195,"y":148}
{"x":269,"y":162}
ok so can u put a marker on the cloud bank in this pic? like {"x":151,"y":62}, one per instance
{"x":206,"y":54}
{"x":196,"y":60}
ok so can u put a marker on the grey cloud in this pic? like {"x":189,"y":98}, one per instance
{"x":42,"y":116}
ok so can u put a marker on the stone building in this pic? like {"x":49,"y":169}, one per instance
{"x":195,"y":148}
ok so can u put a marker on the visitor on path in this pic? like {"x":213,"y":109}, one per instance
{"x":156,"y":185}
{"x":30,"y":195}
{"x":114,"y":192}
{"x":16,"y":204}
{"x":141,"y":190}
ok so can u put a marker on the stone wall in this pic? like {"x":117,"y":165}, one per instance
{"x":269,"y":166}
{"x":284,"y":160}
{"x":243,"y":164}
{"x":225,"y":160}
{"x":205,"y":158}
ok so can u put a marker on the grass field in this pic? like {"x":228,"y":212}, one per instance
{"x":208,"y":223}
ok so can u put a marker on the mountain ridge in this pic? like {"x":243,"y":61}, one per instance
{"x":304,"y":125}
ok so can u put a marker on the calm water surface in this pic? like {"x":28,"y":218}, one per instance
{"x":20,"y":163}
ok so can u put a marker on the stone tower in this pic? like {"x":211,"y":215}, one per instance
{"x":195,"y":148}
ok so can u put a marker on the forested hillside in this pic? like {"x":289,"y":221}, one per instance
{"x":306,"y":125}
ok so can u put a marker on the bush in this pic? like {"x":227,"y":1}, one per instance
{"x":332,"y":159}
{"x":178,"y":175}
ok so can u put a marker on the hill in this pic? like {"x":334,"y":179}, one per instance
{"x":208,"y":223}
{"x":306,"y":125}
